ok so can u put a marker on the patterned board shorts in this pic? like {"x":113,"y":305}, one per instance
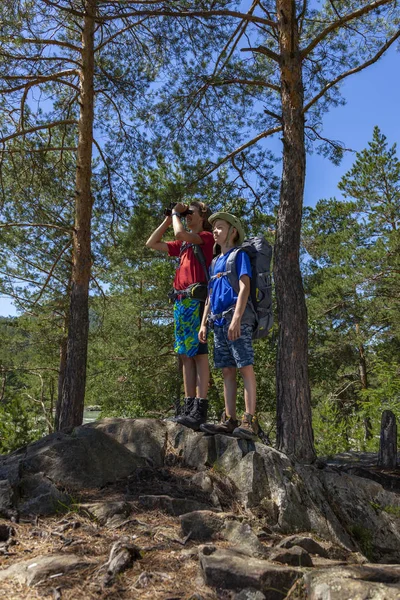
{"x":187,"y":319}
{"x":238,"y":353}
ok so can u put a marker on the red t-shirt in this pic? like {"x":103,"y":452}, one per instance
{"x":190,"y":269}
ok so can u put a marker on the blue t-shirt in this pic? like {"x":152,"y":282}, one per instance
{"x":222,"y":294}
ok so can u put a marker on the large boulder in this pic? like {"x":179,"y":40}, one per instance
{"x":145,"y":438}
{"x":40,"y":478}
{"x":189,"y":447}
{"x":296,"y":498}
{"x":88,"y":458}
{"x":367,"y":511}
{"x":365,"y":582}
{"x":228,"y":569}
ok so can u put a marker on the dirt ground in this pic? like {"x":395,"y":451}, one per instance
{"x":167,"y":570}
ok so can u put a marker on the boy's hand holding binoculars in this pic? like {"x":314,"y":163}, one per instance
{"x":179,"y":207}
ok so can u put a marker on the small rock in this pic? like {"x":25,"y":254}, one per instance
{"x":296,"y":556}
{"x":203,"y":481}
{"x":190,"y":553}
{"x":6,"y":532}
{"x":207,"y":550}
{"x":36,"y":569}
{"x":105,"y":511}
{"x":202,"y":524}
{"x":7,"y":509}
{"x":243,"y":538}
{"x":310,"y":545}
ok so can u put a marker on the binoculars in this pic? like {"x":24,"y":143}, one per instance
{"x":168,"y":211}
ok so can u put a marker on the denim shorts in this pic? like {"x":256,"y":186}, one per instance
{"x":238,"y":353}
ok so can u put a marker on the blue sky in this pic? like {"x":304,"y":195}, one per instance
{"x":372,"y":99}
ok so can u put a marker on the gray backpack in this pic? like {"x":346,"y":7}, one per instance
{"x":260,"y":253}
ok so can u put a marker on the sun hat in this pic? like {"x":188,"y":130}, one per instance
{"x":232,"y":220}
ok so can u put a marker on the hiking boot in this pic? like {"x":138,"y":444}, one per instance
{"x":197,"y":416}
{"x":185,"y":409}
{"x":226,"y":426}
{"x":181,"y":408}
{"x":248,"y":428}
{"x":178,"y":409}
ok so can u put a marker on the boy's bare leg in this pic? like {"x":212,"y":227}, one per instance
{"x":250,"y":388}
{"x":189,"y":375}
{"x":202,"y":374}
{"x":230,"y":390}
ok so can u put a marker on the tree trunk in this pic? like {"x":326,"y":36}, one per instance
{"x":73,"y":393}
{"x":362,"y":367}
{"x":3,"y":386}
{"x":294,"y":427}
{"x":61,"y":377}
{"x":387,"y":458}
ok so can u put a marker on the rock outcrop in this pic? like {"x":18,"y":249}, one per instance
{"x":270,"y":527}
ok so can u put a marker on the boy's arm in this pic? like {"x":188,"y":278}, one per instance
{"x":244,"y":291}
{"x":154,"y":240}
{"x":203,"y":326}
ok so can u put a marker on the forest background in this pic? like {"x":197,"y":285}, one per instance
{"x":147,"y":153}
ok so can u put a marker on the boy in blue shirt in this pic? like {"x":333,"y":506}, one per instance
{"x":233,"y":319}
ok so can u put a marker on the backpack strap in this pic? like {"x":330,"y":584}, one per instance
{"x":230,"y":269}
{"x":212,"y":267}
{"x":199,"y":255}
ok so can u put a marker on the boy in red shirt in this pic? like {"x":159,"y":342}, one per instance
{"x":188,"y":310}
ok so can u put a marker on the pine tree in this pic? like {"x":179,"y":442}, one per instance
{"x":279,"y":73}
{"x":79,"y":58}
{"x":352,"y":282}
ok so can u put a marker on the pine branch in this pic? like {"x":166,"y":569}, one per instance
{"x":352,"y":71}
{"x":50,"y":225}
{"x":44,"y":149}
{"x":41,"y":78}
{"x":263,"y":50}
{"x":254,"y":82}
{"x":189,"y":13}
{"x":336,"y":145}
{"x":239,"y":32}
{"x":48,"y":278}
{"x":37,"y":128}
{"x":44,"y":42}
{"x":37,"y":57}
{"x":119,"y":32}
{"x":34,"y":266}
{"x":340,"y":22}
{"x":231,"y":155}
